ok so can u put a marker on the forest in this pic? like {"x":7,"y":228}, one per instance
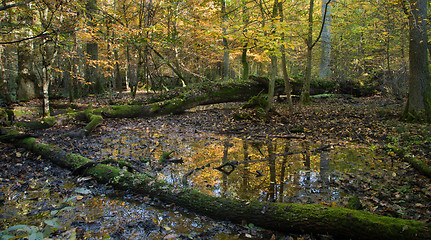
{"x":229,"y":119}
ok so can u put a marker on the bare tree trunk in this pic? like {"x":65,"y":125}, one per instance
{"x":4,"y":81}
{"x":245,"y":65}
{"x":92,"y":74}
{"x":75,"y":71}
{"x":48,"y":54}
{"x":27,"y":83}
{"x":419,"y":100}
{"x":325,"y":53}
{"x":273,"y":57}
{"x":287,"y":85}
{"x":117,"y":73}
{"x":226,"y":65}
{"x":305,"y":94}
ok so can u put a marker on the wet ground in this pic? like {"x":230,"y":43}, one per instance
{"x":41,"y":198}
{"x":325,"y":153}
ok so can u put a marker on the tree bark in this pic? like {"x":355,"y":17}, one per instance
{"x":305,"y":94}
{"x":325,"y":53}
{"x":27,"y":83}
{"x":225,"y":43}
{"x":3,"y":79}
{"x":341,"y":223}
{"x":287,"y":85}
{"x":92,"y":75}
{"x":245,"y":64}
{"x":273,"y":57}
{"x":48,"y":54}
{"x":419,"y":101}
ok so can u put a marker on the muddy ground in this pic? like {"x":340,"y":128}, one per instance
{"x":373,"y":122}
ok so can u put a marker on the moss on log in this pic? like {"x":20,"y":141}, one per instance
{"x":419,"y":165}
{"x":177,"y":101}
{"x":339,"y":222}
{"x":95,"y":120}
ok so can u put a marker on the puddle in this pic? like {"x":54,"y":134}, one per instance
{"x":87,"y":214}
{"x":243,"y":168}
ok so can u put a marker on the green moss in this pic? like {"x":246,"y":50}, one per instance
{"x":95,"y":120}
{"x":126,"y":111}
{"x":226,"y":92}
{"x":155,"y":107}
{"x":258,"y":101}
{"x":340,"y":222}
{"x":354,"y":203}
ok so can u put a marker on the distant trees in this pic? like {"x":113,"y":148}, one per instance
{"x":157,"y":45}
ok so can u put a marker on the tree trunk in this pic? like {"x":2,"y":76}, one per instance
{"x":287,"y":85}
{"x":305,"y":94}
{"x":117,"y":73}
{"x":92,"y":75}
{"x":419,"y":101}
{"x":273,"y":57}
{"x":225,"y":43}
{"x":340,"y":223}
{"x":27,"y":83}
{"x":76,"y":93}
{"x":325,"y":54}
{"x":48,"y":54}
{"x":245,"y":64}
{"x":3,"y":79}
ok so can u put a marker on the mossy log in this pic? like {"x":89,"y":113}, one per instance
{"x":419,"y":165}
{"x":95,"y":120}
{"x":339,"y":222}
{"x":177,"y":101}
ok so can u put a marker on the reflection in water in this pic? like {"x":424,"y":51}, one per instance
{"x":274,"y":170}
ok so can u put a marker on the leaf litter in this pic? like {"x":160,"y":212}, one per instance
{"x":396,"y":190}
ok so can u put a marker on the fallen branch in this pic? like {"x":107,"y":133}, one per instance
{"x":339,"y":222}
{"x":419,"y":165}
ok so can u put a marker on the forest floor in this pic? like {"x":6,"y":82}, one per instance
{"x":373,"y":122}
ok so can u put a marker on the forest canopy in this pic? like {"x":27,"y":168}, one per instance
{"x":76,"y":48}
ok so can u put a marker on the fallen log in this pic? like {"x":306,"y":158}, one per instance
{"x":419,"y":165}
{"x":178,"y":101}
{"x":338,"y":222}
{"x":416,"y":163}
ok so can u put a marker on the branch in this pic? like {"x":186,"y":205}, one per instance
{"x":42,"y":34}
{"x":169,"y":64}
{"x":5,"y":7}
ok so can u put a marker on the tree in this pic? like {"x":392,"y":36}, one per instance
{"x":92,"y":49}
{"x":273,"y":58}
{"x":225,"y":43}
{"x":27,"y":81}
{"x":305,"y":94}
{"x":287,"y":85}
{"x":245,"y":20}
{"x":325,"y":54}
{"x":419,"y":99}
